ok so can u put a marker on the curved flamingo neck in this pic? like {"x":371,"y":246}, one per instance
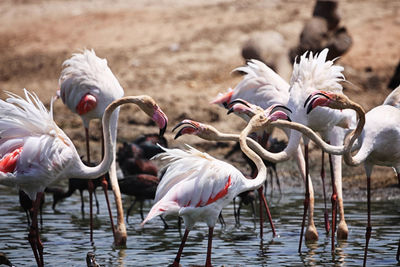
{"x":109,"y":120}
{"x":352,"y":137}
{"x":262,"y":169}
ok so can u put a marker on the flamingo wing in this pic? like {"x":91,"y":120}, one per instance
{"x":193,"y":179}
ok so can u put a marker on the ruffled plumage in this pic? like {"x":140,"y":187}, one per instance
{"x":46,"y":150}
{"x":317,"y":73}
{"x":195,"y":180}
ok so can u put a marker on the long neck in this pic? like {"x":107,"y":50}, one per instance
{"x":273,"y":157}
{"x":335,"y":150}
{"x":108,"y":122}
{"x":262,"y":170}
{"x":352,"y":137}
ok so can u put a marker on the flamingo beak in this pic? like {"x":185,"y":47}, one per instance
{"x":279,"y":114}
{"x":237,"y":105}
{"x":161,"y":119}
{"x":319,"y":98}
{"x":189,"y":128}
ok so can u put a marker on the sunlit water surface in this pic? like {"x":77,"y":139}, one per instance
{"x":66,"y":236}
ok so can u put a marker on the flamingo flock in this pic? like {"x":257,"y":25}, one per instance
{"x":35,"y":153}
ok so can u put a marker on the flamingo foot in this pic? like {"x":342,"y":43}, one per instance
{"x":342,"y":230}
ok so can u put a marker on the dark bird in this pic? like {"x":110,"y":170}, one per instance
{"x":142,"y":187}
{"x":26,"y":204}
{"x":76,"y":184}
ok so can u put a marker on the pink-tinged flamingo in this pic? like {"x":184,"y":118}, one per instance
{"x":211,"y":134}
{"x":35,"y":152}
{"x":378,"y":144}
{"x":311,"y":74}
{"x":263,"y":87}
{"x":87,"y":87}
{"x":197,"y":186}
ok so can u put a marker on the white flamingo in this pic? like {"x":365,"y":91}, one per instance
{"x":379,"y":143}
{"x":87,"y":87}
{"x":35,"y":152}
{"x":197,"y":186}
{"x":309,"y":74}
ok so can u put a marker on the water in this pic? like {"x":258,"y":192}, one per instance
{"x":66,"y":236}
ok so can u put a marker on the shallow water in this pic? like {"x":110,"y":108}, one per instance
{"x":66,"y":236}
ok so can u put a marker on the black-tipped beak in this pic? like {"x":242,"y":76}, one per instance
{"x":162,"y":130}
{"x":188,"y":123}
{"x":238,"y":101}
{"x":178,"y":134}
{"x":314,"y":94}
{"x":312,"y":98}
{"x":230,"y":111}
{"x":282,"y":107}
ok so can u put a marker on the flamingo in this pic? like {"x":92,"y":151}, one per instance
{"x":197,"y":186}
{"x":314,"y":68}
{"x":87,"y":87}
{"x":263,"y":87}
{"x":379,"y":143}
{"x":378,"y":134}
{"x":35,"y":152}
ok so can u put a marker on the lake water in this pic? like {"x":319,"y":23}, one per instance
{"x":66,"y":236}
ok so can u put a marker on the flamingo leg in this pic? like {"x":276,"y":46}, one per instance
{"x":209,"y":247}
{"x":306,"y":198}
{"x":254,"y":212}
{"x":91,"y":189}
{"x":129,"y":210}
{"x":267,"y":209}
{"x":104,"y":184}
{"x":97,"y":202}
{"x":369,"y":228}
{"x":277,"y":179}
{"x":141,"y":210}
{"x":234,"y":212}
{"x":238,"y":213}
{"x":165,"y":223}
{"x":334,"y":203}
{"x":90,"y":186}
{"x":178,"y":255}
{"x":221,"y":220}
{"x":326,"y":216}
{"x":82,"y":204}
{"x":261,"y":213}
{"x":33,"y":236}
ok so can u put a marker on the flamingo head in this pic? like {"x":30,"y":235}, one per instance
{"x":202,"y":130}
{"x":150,"y":107}
{"x":275,"y":112}
{"x":242,"y":107}
{"x":326,"y":99}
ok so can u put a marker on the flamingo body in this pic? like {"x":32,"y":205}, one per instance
{"x":196,"y":186}
{"x":88,"y":86}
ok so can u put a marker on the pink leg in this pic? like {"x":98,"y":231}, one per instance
{"x":334,"y":203}
{"x":262,"y":197}
{"x":261,"y":214}
{"x":33,"y":236}
{"x":90,"y":186}
{"x":104,"y":184}
{"x":326,"y":216}
{"x":369,"y":228}
{"x":306,"y":198}
{"x":178,"y":255}
{"x":210,"y":236}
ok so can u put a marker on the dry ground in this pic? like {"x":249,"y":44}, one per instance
{"x":181,"y":53}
